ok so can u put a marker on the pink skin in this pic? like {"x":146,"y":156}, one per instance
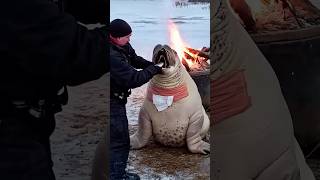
{"x":121,"y":41}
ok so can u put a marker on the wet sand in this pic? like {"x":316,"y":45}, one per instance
{"x":158,"y":162}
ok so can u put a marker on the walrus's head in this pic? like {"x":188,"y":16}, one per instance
{"x":166,"y":55}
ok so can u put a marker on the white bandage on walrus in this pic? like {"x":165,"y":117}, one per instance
{"x":162,"y":102}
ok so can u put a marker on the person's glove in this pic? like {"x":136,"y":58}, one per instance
{"x":160,"y":67}
{"x":160,"y":64}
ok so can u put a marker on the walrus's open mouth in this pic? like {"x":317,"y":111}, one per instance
{"x":162,"y":56}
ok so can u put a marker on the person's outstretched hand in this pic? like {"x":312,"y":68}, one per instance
{"x":160,"y":64}
{"x":160,"y":67}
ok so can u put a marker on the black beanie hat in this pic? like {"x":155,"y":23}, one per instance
{"x":119,"y":28}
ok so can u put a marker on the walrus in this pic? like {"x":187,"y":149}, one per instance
{"x":253,"y":132}
{"x":172,"y":111}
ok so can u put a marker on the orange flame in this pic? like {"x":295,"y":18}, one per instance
{"x":177,"y":43}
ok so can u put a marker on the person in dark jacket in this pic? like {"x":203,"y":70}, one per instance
{"x":42,"y":49}
{"x":123,"y":77}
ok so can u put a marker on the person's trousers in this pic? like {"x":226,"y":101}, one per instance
{"x":25,"y":148}
{"x":119,"y":139}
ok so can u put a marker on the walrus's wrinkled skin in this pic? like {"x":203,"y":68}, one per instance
{"x":184,"y":122}
{"x":258,"y":143}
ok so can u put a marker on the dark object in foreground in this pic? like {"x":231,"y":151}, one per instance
{"x":42,"y":50}
{"x":88,"y":11}
{"x":202,"y":80}
{"x":294,"y":57}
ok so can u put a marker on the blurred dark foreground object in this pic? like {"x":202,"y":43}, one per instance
{"x":87,"y":11}
{"x":42,"y":50}
{"x":294,"y":56}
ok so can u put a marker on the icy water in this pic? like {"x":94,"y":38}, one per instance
{"x":149,"y":22}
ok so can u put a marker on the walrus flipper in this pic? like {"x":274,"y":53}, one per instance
{"x":144,"y":133}
{"x":194,"y":140}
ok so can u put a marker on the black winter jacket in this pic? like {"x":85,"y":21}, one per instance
{"x":123,"y":64}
